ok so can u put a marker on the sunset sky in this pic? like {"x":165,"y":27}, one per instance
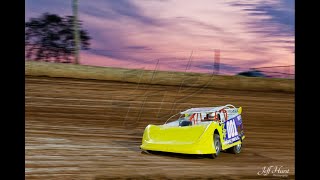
{"x":138,"y":33}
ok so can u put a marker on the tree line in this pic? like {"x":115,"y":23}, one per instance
{"x":50,"y":38}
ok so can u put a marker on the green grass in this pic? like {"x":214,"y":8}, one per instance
{"x":33,"y":68}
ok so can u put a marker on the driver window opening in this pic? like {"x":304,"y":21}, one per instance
{"x":212,"y":117}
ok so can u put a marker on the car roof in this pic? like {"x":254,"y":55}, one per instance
{"x":205,"y":109}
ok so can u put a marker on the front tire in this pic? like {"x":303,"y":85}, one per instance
{"x":217,"y":145}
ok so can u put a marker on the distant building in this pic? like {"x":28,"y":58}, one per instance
{"x":253,"y":73}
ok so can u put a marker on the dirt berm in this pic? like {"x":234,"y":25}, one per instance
{"x":159,"y":77}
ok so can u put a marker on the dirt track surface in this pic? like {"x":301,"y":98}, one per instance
{"x":90,"y":129}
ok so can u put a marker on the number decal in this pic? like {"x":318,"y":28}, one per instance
{"x":231,"y":129}
{"x":228,"y":130}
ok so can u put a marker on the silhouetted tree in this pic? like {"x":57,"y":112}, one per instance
{"x":51,"y":38}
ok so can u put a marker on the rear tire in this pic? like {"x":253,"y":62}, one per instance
{"x":217,"y":145}
{"x":235,"y":149}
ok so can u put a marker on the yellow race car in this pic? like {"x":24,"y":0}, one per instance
{"x":204,"y":130}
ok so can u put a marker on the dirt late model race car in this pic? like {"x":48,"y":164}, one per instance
{"x":205,"y":130}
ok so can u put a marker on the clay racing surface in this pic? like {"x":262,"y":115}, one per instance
{"x":90,"y":129}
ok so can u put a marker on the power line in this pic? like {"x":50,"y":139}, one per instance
{"x":166,"y":51}
{"x":135,"y":51}
{"x":277,"y":72}
{"x":273,"y":66}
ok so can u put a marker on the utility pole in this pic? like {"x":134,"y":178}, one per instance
{"x":76,"y":30}
{"x":216,"y":65}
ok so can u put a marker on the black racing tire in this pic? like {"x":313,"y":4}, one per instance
{"x":217,"y":145}
{"x":235,"y":149}
{"x":150,"y":151}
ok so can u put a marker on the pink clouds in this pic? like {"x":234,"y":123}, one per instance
{"x":135,"y":34}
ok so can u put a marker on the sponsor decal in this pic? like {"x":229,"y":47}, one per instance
{"x":230,"y":126}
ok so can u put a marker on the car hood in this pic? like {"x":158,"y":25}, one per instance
{"x":173,"y":134}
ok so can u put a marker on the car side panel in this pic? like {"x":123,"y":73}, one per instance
{"x":180,"y":142}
